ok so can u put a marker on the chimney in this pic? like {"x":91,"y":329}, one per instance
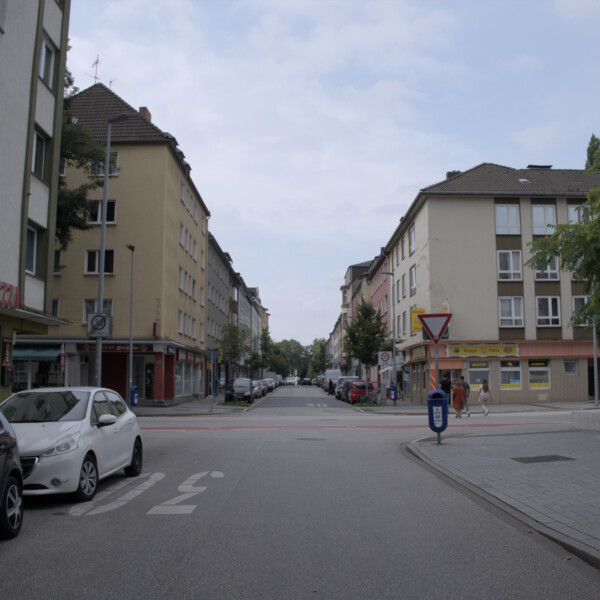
{"x":145,"y":113}
{"x":451,"y":174}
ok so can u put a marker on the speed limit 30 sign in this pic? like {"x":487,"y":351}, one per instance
{"x":385,"y":359}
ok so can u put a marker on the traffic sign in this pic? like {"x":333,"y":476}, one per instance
{"x":385,"y":358}
{"x":99,"y":325}
{"x":435,"y":324}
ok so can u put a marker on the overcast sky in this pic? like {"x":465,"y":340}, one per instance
{"x":310,"y":126}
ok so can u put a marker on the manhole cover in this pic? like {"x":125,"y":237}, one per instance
{"x":542,"y":459}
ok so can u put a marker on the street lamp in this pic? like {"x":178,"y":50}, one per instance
{"x":393,"y":322}
{"x":100,"y":306}
{"x":132,"y":248}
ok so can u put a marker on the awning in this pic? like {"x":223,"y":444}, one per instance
{"x":30,"y":352}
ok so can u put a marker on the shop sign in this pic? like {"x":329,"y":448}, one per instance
{"x":9,"y":295}
{"x":484,"y":350}
{"x":6,"y":352}
{"x":419,"y":353}
{"x":414,"y":316}
{"x":538,"y":363}
{"x":115,"y":347}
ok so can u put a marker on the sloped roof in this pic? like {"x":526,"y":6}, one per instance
{"x":492,"y":179}
{"x":94,"y":105}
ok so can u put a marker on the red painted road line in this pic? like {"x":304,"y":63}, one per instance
{"x":267,"y":427}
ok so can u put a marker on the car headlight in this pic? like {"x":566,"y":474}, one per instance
{"x":65,"y":445}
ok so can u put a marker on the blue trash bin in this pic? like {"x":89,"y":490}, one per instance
{"x":437,"y":404}
{"x":134,"y":395}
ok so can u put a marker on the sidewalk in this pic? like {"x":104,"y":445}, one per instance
{"x":548,"y":477}
{"x":188,"y":406}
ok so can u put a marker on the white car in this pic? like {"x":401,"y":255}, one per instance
{"x":71,"y":438}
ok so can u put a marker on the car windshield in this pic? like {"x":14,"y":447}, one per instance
{"x":241,"y":382}
{"x":45,"y":407}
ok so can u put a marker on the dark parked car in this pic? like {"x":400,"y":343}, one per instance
{"x":11,"y":482}
{"x":340,"y":383}
{"x":306,"y":381}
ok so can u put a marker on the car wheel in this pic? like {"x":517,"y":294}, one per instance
{"x":11,"y":510}
{"x":88,"y":480}
{"x":135,"y":468}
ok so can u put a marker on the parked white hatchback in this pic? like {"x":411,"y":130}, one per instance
{"x":71,"y":438}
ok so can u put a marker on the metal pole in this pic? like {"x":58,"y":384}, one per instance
{"x":595,"y":367}
{"x":393,"y":328}
{"x":100,"y":303}
{"x":437,"y":367}
{"x":132,"y":248}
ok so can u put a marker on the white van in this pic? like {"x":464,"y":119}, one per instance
{"x":331,"y":375}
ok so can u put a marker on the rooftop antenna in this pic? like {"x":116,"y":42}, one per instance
{"x":95,"y":64}
{"x":111,"y":82}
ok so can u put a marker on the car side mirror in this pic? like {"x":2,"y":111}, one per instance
{"x":105,"y":420}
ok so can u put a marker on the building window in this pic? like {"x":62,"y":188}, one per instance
{"x":202,"y":258}
{"x":402,"y":246}
{"x":57,"y":265}
{"x":539,"y":374}
{"x":507,"y":219}
{"x":411,"y":240}
{"x":90,"y":304}
{"x":548,"y":311}
{"x":180,"y":283}
{"x":578,"y":213}
{"x":404,"y":323}
{"x":571,"y":366}
{"x":578,"y":303}
{"x":397,"y":255}
{"x":413,"y":280}
{"x":549,"y":272}
{"x":510,"y":374}
{"x":404,"y":285}
{"x":510,"y":310}
{"x":97,"y":170}
{"x":31,"y":250}
{"x":55,"y":307}
{"x":39,"y":156}
{"x":509,"y":265}
{"x":92,"y":261}
{"x":180,"y":321}
{"x":181,"y":235}
{"x":544,"y":219}
{"x":95,"y":214}
{"x":47,"y":59}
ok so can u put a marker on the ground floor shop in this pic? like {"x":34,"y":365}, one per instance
{"x":161,"y":372}
{"x":524,"y":372}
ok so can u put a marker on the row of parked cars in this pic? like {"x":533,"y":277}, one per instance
{"x":350,"y":389}
{"x":248,"y":390}
{"x":62,"y":441}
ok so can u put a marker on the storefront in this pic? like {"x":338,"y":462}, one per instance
{"x":35,"y":366}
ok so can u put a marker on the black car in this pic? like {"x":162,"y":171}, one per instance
{"x":11,"y":482}
{"x":306,"y":381}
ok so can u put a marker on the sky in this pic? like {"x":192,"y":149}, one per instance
{"x":311,"y":125}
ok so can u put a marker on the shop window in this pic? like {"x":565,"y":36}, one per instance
{"x":510,"y":374}
{"x":478,"y":371}
{"x":539,"y":374}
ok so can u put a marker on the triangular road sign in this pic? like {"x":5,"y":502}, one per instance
{"x":435,"y":324}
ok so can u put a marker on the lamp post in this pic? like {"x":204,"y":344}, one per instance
{"x":393,"y":323}
{"x":100,"y":304}
{"x":132,"y":248}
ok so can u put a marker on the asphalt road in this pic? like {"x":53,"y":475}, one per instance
{"x":299,"y":497}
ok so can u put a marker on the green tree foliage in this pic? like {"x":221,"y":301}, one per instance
{"x":366,"y":335}
{"x":578,"y":247}
{"x":318,"y":359}
{"x":266,"y":347}
{"x":235,"y":343}
{"x":77,"y":150}
{"x":295,"y":356}
{"x":593,"y":152}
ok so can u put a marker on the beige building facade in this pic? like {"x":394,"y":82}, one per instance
{"x":461,"y":248}
{"x":156,"y":250}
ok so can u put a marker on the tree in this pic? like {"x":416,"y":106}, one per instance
{"x":266,"y":347}
{"x":235,"y":342}
{"x":295,"y":357}
{"x":77,"y":150}
{"x":578,"y":247}
{"x":593,"y":153}
{"x":366,"y":335}
{"x":318,"y":360}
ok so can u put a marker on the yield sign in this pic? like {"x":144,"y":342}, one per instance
{"x":435,"y":325}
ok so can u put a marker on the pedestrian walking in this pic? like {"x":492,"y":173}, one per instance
{"x":446,"y":386}
{"x":484,"y":395}
{"x":467,"y":389}
{"x":458,"y":400}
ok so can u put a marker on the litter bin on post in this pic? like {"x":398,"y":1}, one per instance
{"x":437,"y":404}
{"x":393,"y":393}
{"x":133,"y":397}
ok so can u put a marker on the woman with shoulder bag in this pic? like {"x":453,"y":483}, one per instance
{"x":484,"y":395}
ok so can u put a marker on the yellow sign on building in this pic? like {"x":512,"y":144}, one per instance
{"x":484,"y":350}
{"x":416,"y":322}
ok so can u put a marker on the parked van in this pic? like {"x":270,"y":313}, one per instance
{"x":331,"y":375}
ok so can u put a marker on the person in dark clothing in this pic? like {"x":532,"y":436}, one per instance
{"x":446,"y":386}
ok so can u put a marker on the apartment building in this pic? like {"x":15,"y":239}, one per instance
{"x":33,"y":47}
{"x":461,"y":248}
{"x":156,"y":249}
